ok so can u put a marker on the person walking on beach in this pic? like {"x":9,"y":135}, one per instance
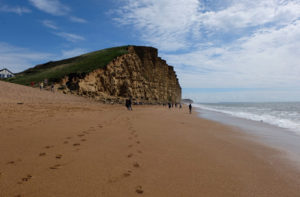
{"x":169,"y":104}
{"x":128,"y":104}
{"x":41,"y":85}
{"x":190,"y":108}
{"x":52,"y":87}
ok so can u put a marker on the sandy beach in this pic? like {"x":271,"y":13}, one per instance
{"x":60,"y":145}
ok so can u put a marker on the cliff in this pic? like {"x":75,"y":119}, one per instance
{"x":139,"y":74}
{"x":109,"y":75}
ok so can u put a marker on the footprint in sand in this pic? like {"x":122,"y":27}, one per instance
{"x":136,"y":165}
{"x":100,"y":126}
{"x":58,"y":156}
{"x":49,"y":146}
{"x":55,"y":167}
{"x":14,"y":162}
{"x":83,"y":140}
{"x":136,"y":135}
{"x":42,"y":154}
{"x":127,"y":174}
{"x":25,"y":179}
{"x":138,"y":142}
{"x":130,"y":155}
{"x":11,"y":162}
{"x":80,"y":135}
{"x":68,"y":138}
{"x":139,"y":151}
{"x":130,"y":146}
{"x":66,"y":142}
{"x":139,"y":189}
{"x":76,"y":144}
{"x":19,"y":195}
{"x":86,"y":132}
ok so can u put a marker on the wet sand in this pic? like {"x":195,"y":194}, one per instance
{"x":62,"y":145}
{"x":284,"y":140}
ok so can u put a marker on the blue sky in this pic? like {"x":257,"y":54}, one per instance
{"x":222,"y":50}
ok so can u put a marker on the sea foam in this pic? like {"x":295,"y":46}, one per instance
{"x":283,"y":115}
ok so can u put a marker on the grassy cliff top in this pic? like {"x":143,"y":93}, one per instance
{"x":54,"y":71}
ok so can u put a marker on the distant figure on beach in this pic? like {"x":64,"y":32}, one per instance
{"x":169,"y":104}
{"x":180,"y":106}
{"x":32,"y":84}
{"x":41,"y":85}
{"x":52,"y":87}
{"x":190,"y":108}
{"x":128,"y":104}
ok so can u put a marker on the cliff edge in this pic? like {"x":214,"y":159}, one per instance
{"x":109,"y":75}
{"x":139,"y":74}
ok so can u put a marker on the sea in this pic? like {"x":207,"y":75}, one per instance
{"x":276,"y":124}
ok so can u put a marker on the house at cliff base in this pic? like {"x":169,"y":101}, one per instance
{"x":5,"y":73}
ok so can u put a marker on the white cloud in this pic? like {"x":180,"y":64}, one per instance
{"x":77,"y":19}
{"x":54,"y":7}
{"x":164,"y":24}
{"x":268,"y":58}
{"x":250,"y":14}
{"x":49,"y":24}
{"x":17,"y":9}
{"x":73,"y":52}
{"x":69,"y":36}
{"x":179,"y":24}
{"x":18,"y":59}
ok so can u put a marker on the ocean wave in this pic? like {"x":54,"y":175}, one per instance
{"x":283,"y":119}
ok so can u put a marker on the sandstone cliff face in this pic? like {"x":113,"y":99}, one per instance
{"x":140,"y":74}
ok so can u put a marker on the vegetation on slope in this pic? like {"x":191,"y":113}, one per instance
{"x":55,"y":71}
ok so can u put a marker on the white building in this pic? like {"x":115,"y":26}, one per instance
{"x":5,"y":73}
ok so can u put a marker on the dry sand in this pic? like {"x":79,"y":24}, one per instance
{"x":56,"y":145}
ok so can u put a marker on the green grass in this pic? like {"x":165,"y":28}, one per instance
{"x":55,"y":71}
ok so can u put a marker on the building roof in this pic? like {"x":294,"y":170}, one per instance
{"x":7,"y":70}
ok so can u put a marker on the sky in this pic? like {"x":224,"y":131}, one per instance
{"x":222,"y":50}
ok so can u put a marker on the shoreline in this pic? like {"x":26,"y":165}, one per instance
{"x":281,"y":139}
{"x":69,"y":146}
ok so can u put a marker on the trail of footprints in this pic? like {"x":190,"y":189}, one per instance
{"x":81,"y":137}
{"x":135,"y":137}
{"x":134,"y":144}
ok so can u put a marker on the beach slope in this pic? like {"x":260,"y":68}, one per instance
{"x":62,"y":145}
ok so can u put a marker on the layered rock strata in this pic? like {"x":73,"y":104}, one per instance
{"x":140,"y":74}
